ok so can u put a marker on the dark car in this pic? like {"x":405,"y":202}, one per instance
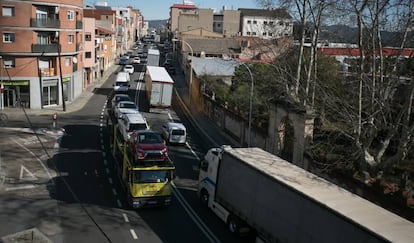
{"x":123,"y":61}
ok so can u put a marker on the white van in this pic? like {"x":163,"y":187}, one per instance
{"x":128,"y":123}
{"x":122,"y":82}
{"x":123,"y":76}
{"x":174,"y":132}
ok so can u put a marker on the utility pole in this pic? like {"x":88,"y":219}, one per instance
{"x":60,"y":72}
{"x":1,"y":85}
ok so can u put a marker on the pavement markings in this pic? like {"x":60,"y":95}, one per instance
{"x":20,"y":187}
{"x":125,"y":217}
{"x":107,"y":171}
{"x":134,"y":235}
{"x":110,"y":180}
{"x":119,"y":203}
{"x":114,"y":192}
{"x":193,"y":215}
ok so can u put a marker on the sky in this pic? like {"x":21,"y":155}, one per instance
{"x":160,"y":9}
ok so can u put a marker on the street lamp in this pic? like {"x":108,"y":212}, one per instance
{"x":249,"y":132}
{"x":191,"y":68}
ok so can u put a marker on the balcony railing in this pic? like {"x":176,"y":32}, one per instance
{"x":47,"y":48}
{"x":79,"y":24}
{"x":45,"y":23}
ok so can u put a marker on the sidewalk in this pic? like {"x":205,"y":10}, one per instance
{"x":71,"y":106}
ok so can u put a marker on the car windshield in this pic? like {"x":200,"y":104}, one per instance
{"x":127,"y":105}
{"x":138,"y":126}
{"x":149,"y":138}
{"x":122,"y":98}
{"x":177,"y":132}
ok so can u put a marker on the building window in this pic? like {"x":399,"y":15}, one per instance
{"x":70,"y":39}
{"x":253,"y":33}
{"x":254,"y":22}
{"x":271,"y":23}
{"x":249,"y":21}
{"x":264,"y":33}
{"x":9,"y":63}
{"x":248,"y":33}
{"x":88,"y":36}
{"x":270,"y":34}
{"x":265,"y":22}
{"x":8,"y":37}
{"x":8,"y":11}
{"x":71,"y":15}
{"x":219,"y":25}
{"x":88,"y":54}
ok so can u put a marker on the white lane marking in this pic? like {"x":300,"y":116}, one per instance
{"x":102,"y":141}
{"x":119,"y":203}
{"x":106,"y":163}
{"x":125,"y":217}
{"x":192,"y":151}
{"x":23,"y":169}
{"x":110,"y":180}
{"x":203,"y":227}
{"x":41,"y":162}
{"x":170,"y":117}
{"x":107,"y":171}
{"x":20,"y":187}
{"x":134,"y":235}
{"x":114,"y":192}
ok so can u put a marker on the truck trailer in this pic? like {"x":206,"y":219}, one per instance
{"x":153,"y":57}
{"x":146,"y":182}
{"x":159,"y":86}
{"x":252,"y":190}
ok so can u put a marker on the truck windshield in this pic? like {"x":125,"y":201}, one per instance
{"x":151,"y":176}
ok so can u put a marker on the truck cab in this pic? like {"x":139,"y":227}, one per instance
{"x":207,"y":180}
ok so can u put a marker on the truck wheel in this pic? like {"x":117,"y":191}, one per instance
{"x":233,"y":224}
{"x":204,"y":198}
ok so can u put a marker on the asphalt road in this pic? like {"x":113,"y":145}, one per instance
{"x":66,"y":184}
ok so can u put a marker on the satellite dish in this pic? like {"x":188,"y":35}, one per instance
{"x":74,"y":60}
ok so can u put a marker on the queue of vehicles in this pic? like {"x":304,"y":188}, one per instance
{"x":251,"y":190}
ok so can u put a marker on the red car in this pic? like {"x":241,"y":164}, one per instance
{"x":148,"y":145}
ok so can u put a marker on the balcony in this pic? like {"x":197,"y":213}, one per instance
{"x":79,"y":24}
{"x":45,"y":23}
{"x":46,"y":48}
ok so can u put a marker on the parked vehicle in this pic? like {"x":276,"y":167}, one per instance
{"x":146,"y":182}
{"x":129,"y":69}
{"x":125,"y":107}
{"x":128,"y":123}
{"x":159,"y":86}
{"x":174,"y":133}
{"x":252,"y":190}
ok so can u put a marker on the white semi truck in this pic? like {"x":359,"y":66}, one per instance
{"x":253,"y":190}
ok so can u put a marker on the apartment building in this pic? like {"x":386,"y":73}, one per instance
{"x":175,"y":11}
{"x":265,"y":23}
{"x":40,"y":50}
{"x":105,"y":37}
{"x":227,"y":22}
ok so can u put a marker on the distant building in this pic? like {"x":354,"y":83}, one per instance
{"x":175,"y":11}
{"x":265,"y":23}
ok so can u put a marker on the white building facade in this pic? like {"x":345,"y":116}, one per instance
{"x":266,"y":23}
